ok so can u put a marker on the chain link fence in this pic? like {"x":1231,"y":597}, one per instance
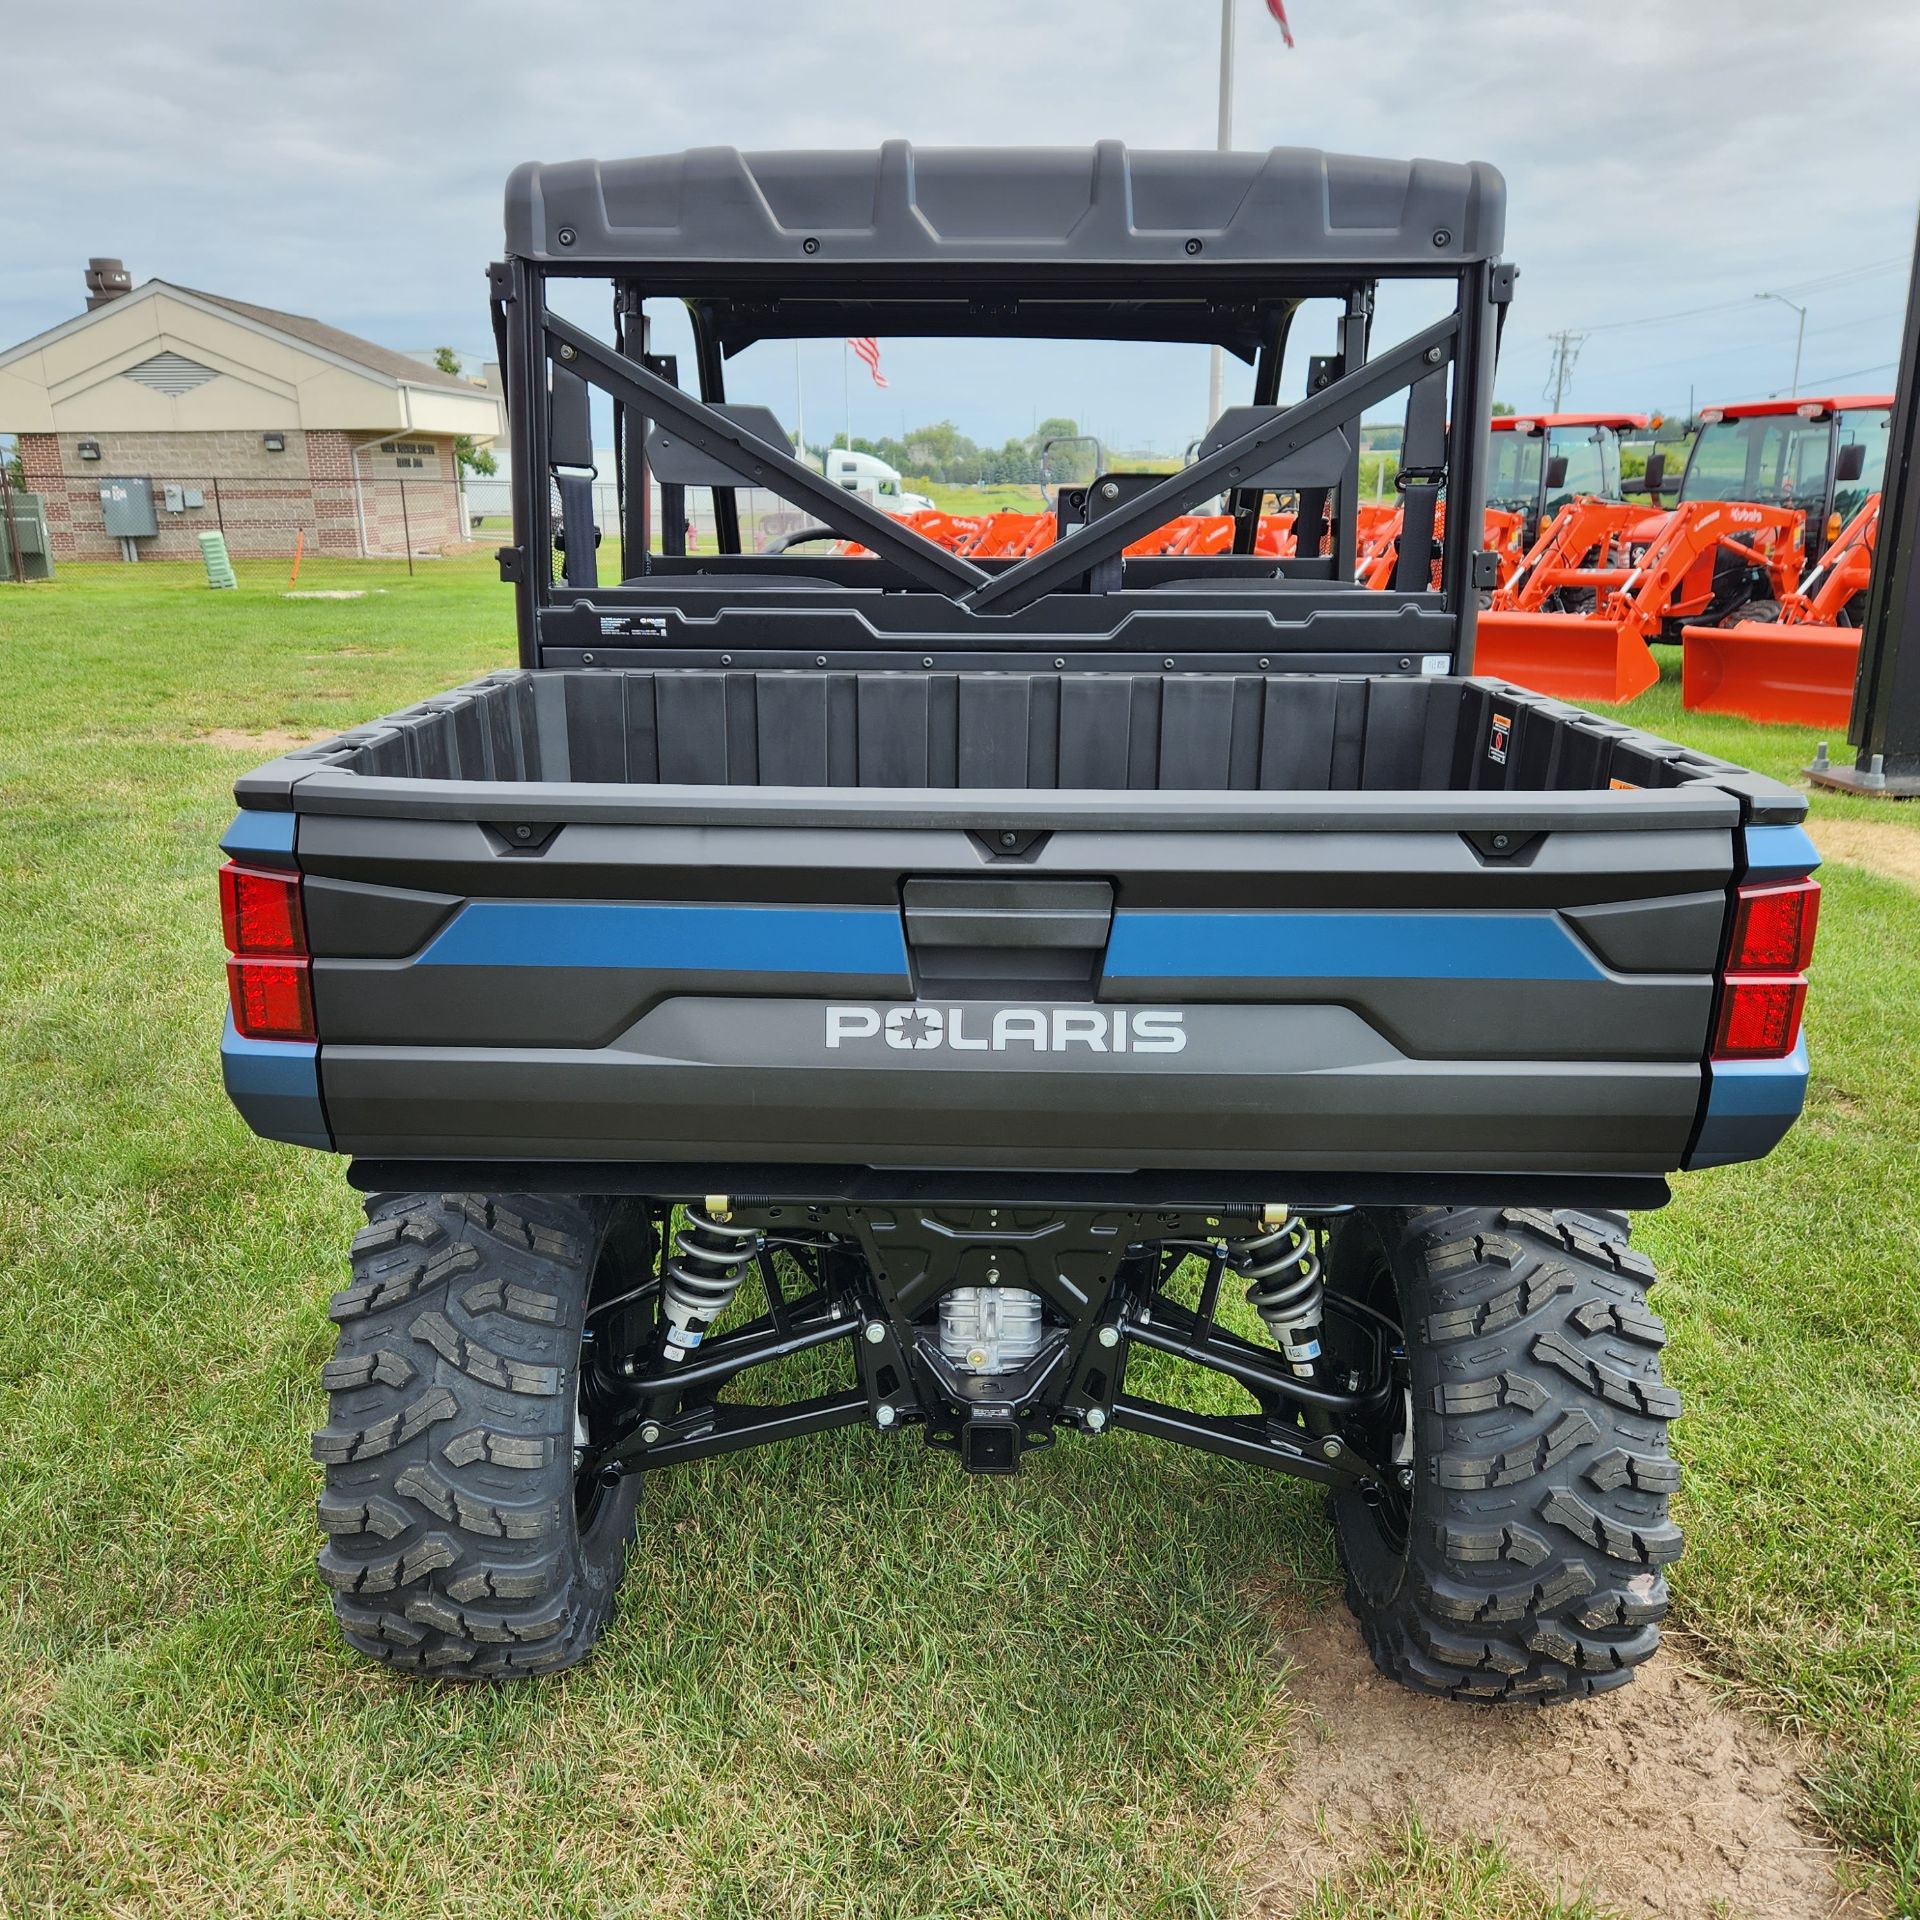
{"x":95,"y":517}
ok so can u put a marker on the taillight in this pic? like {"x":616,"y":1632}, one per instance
{"x":272,"y":999}
{"x":269,"y":978}
{"x":260,"y":911}
{"x":1763,"y":992}
{"x":1773,"y":927}
{"x":1759,"y":1017}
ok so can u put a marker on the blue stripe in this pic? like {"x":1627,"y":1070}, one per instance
{"x":1348,"y":946}
{"x":265,"y":839}
{"x":1779,"y":853}
{"x":1750,"y":1106}
{"x":672,"y":939}
{"x":276,"y":1086}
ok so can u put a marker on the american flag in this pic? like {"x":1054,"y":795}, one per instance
{"x":868,"y":350}
{"x":1279,"y":11}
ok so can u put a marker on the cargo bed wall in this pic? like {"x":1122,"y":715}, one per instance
{"x":1207,"y":732}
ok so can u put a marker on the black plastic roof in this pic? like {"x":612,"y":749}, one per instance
{"x":1059,"y":207}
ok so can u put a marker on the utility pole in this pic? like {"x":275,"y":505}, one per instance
{"x":1800,"y":333}
{"x":1217,"y":358}
{"x":1566,"y":350}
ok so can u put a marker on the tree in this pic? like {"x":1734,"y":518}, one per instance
{"x":1501,"y":410}
{"x":471,"y":459}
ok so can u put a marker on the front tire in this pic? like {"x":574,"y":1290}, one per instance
{"x":459,"y":1541}
{"x":1523,"y":1563}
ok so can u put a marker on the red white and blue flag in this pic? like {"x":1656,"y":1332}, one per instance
{"x":1279,"y":11}
{"x":868,"y":350}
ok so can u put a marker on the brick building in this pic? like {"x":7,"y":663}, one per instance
{"x":261,"y":423}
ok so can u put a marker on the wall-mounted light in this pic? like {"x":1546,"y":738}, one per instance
{"x":274,"y":442}
{"x":89,"y":449}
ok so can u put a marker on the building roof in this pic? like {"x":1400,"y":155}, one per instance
{"x":334,"y":340}
{"x":164,"y":357}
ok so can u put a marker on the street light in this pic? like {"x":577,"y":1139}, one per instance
{"x":1800,"y":333}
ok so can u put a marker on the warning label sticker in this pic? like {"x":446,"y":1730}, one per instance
{"x":1498,"y":736}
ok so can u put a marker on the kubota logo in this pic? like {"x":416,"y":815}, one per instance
{"x":921,"y":1029}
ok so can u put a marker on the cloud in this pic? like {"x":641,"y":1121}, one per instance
{"x":347,"y":161}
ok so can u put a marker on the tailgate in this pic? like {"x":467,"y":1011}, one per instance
{"x":1488,"y":983}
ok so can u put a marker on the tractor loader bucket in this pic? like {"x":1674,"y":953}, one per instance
{"x":1569,"y":656}
{"x":1764,"y":670}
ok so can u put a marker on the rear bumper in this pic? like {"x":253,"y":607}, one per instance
{"x":1255,"y":1088}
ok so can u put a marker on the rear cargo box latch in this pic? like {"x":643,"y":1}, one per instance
{"x":521,"y":836}
{"x":1508,"y":846}
{"x":1007,"y":843}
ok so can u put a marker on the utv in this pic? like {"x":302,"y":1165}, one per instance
{"x":981,"y":967}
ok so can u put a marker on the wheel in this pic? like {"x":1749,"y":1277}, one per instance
{"x":459,"y":1539}
{"x":1518,"y":1555}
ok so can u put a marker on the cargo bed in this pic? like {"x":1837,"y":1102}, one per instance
{"x":1365,"y":933}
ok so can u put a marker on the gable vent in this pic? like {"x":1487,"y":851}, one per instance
{"x":171,"y":373}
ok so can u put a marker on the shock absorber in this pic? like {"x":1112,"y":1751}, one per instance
{"x":708,"y":1263}
{"x":1282,"y":1270}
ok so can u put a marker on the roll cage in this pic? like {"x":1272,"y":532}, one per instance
{"x":1097,"y":244}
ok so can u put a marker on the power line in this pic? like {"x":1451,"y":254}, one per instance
{"x":1818,"y":284}
{"x":1852,"y":373}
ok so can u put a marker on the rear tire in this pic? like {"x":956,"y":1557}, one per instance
{"x":458,"y":1543}
{"x":1524,"y":1563}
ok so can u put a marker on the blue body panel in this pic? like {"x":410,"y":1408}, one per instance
{"x":702,"y":939}
{"x":1312,"y":945}
{"x":259,"y":839}
{"x":1779,"y":853}
{"x":1750,"y":1105}
{"x":276,"y":1086}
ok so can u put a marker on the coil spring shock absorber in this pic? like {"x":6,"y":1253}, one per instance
{"x":708,"y":1264}
{"x":1284,"y":1285}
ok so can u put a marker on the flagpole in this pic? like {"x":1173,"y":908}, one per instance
{"x":1217,"y":359}
{"x":799,"y":404}
{"x":846,"y":386}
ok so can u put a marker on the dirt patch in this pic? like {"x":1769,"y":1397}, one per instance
{"x":1881,"y":846}
{"x":1656,"y":1798}
{"x":271,"y":741}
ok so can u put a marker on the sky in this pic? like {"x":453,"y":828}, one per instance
{"x":1666,"y":163}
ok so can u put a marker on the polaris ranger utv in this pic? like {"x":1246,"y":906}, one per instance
{"x":973,"y":970}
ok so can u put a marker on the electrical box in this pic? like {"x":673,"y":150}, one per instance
{"x":195,"y":498}
{"x":23,"y":523}
{"x":174,"y":499}
{"x":128,"y":507}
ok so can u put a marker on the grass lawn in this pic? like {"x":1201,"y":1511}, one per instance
{"x":846,"y":1679}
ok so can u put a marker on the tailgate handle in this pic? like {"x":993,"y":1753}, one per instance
{"x":1012,"y":912}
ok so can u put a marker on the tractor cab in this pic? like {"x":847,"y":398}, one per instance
{"x":1538,"y":462}
{"x":1821,"y":457}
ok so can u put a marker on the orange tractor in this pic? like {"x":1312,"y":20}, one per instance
{"x":1767,"y":486}
{"x":1799,"y":667}
{"x":1539,"y":463}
